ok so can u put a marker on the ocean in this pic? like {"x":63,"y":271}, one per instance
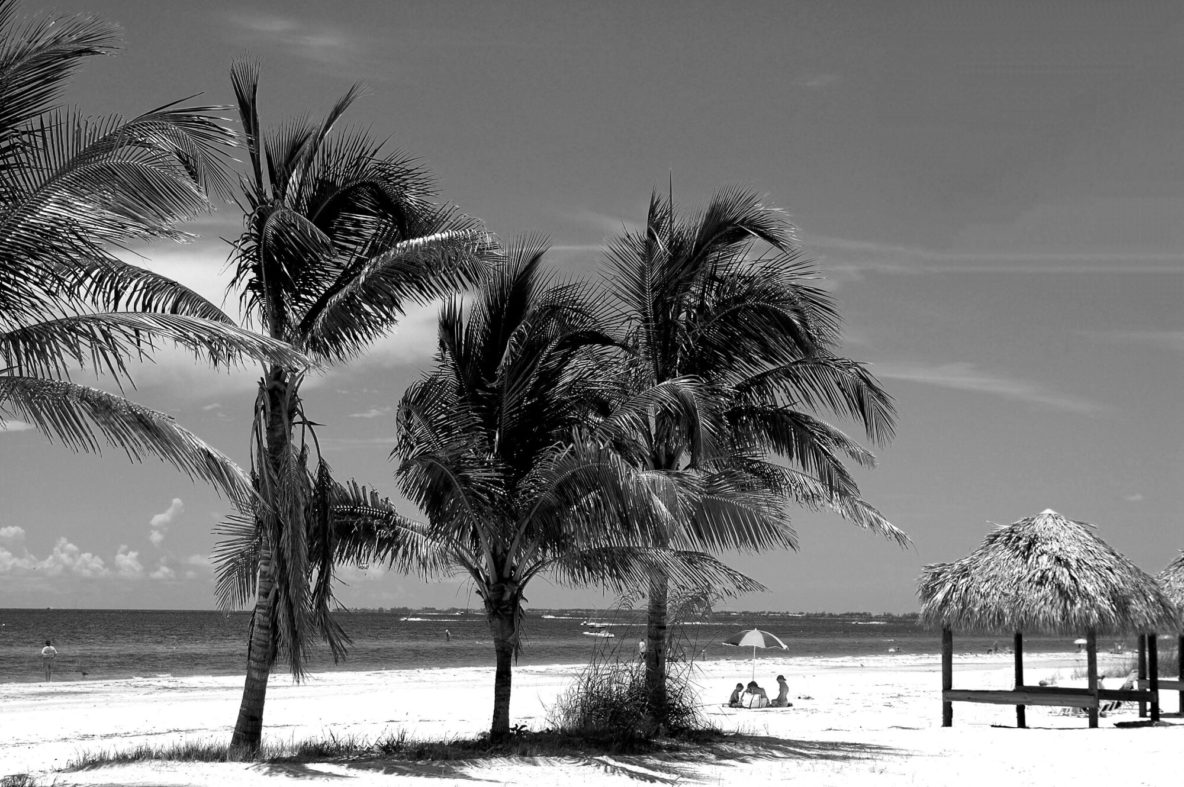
{"x":111,"y":644}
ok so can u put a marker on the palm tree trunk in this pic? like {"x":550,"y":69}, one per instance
{"x":248,"y":729}
{"x":655,"y":649}
{"x":502,"y":628}
{"x":261,"y":652}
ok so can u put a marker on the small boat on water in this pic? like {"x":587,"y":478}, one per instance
{"x":595,"y":624}
{"x":598,"y":634}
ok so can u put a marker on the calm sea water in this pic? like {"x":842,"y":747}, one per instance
{"x":106,"y":644}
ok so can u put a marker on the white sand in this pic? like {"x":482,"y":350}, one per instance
{"x":854,"y":722}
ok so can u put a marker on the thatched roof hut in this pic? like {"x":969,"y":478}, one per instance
{"x":1172,"y":580}
{"x":1050,"y":575}
{"x":1044,"y":574}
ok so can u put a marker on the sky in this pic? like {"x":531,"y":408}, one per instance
{"x":994,"y":192}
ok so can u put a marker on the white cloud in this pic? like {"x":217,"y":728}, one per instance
{"x":14,"y":426}
{"x":214,"y":406}
{"x":817,"y":81}
{"x":163,"y":572}
{"x":966,"y":377}
{"x":127,"y":563}
{"x":160,"y":522}
{"x":373,"y":412}
{"x":67,"y":558}
{"x":844,"y":256}
{"x":1135,"y":498}
{"x":12,"y":534}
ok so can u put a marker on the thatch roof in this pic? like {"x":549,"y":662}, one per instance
{"x":1172,"y":580}
{"x":1044,"y":574}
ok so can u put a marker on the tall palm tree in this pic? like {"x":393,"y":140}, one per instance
{"x":502,"y":448}
{"x":727,"y":298}
{"x":338,"y":239}
{"x":70,"y":189}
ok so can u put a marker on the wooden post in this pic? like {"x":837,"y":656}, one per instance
{"x":1153,"y":674}
{"x":1142,"y":671}
{"x":1020,"y":719}
{"x":947,"y":676}
{"x":1091,"y":668}
{"x":1180,"y":661}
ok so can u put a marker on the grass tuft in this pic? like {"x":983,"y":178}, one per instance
{"x":18,"y":780}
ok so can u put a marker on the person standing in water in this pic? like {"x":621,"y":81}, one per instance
{"x":48,"y":654}
{"x":447,"y":635}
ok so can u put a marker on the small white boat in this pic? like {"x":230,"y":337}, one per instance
{"x":595,"y":624}
{"x":598,"y":634}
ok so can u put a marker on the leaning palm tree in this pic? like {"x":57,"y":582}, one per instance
{"x":338,"y":239}
{"x":71,"y":188}
{"x":505,"y":447}
{"x":727,"y":298}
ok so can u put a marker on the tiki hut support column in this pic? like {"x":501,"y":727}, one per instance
{"x":1180,"y":661}
{"x":1153,"y":673}
{"x":1091,"y":668}
{"x":947,"y":676}
{"x":1020,"y":720}
{"x":1142,"y":671}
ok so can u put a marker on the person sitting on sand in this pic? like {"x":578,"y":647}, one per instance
{"x":734,"y":700}
{"x":782,"y":699}
{"x":757,"y":698}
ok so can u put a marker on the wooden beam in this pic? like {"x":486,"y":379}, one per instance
{"x":1180,"y":661}
{"x":1167,"y":684}
{"x":1091,"y":673}
{"x":1021,"y":720}
{"x":1142,"y":670}
{"x":947,"y":676}
{"x":1153,"y":673}
{"x":1080,"y":698}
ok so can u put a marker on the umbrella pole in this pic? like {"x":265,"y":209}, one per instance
{"x":754,"y":662}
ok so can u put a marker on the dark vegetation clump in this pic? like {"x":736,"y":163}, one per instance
{"x":607,"y":703}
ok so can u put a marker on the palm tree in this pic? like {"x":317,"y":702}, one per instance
{"x":727,"y":298}
{"x":71,"y":188}
{"x":501,"y":447}
{"x":338,"y":239}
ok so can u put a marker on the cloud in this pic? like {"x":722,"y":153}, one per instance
{"x":1137,"y":497}
{"x":844,"y":256}
{"x":1171,"y":341}
{"x":14,"y":426}
{"x":160,"y":522}
{"x":214,"y":406}
{"x":67,"y":558}
{"x":12,"y":534}
{"x":330,"y":48}
{"x":127,"y":563}
{"x":162,"y":572}
{"x":373,"y":412}
{"x":966,"y":377}
{"x":817,"y":81}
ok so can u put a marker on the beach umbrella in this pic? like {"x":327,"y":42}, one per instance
{"x":754,"y":638}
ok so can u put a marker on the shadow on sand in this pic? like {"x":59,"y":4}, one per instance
{"x":668,"y":766}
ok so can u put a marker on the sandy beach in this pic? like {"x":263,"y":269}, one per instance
{"x":854,"y":721}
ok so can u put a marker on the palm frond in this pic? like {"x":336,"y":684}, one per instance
{"x":109,"y":284}
{"x":625,"y":568}
{"x":36,"y":61}
{"x":104,"y":343}
{"x":350,"y":314}
{"x":84,"y":419}
{"x":236,"y":560}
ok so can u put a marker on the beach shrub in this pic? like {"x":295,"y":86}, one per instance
{"x":18,"y":780}
{"x":609,"y":700}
